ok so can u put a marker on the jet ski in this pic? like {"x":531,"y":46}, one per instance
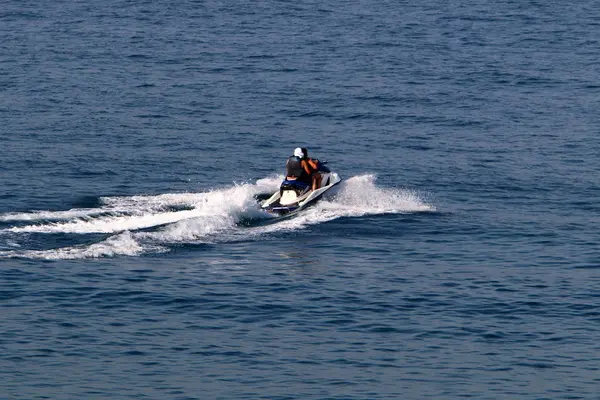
{"x":294,"y":196}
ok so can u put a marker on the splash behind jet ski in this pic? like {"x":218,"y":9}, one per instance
{"x":294,"y":195}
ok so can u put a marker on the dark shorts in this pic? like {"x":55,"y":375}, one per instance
{"x":305,"y":179}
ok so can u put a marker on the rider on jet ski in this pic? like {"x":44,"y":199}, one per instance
{"x":315,"y":165}
{"x":300,"y":171}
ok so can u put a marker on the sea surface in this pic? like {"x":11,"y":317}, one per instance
{"x":460,"y":257}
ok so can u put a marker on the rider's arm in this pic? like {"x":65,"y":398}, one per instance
{"x":307,"y":167}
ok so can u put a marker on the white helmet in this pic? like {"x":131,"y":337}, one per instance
{"x":298,"y":152}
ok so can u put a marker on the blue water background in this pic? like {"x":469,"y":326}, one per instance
{"x":460,"y":258}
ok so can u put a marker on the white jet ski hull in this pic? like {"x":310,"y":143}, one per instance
{"x":286,"y":201}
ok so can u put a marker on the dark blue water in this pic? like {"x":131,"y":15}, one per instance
{"x":460,"y":257}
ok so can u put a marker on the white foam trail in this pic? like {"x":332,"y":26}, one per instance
{"x":269,"y":184}
{"x":212,"y":216}
{"x":222,"y":210}
{"x":121,"y":244}
{"x":51,"y":215}
{"x":146,"y":211}
{"x":131,"y":203}
{"x":109,"y":224}
{"x":151,"y":202}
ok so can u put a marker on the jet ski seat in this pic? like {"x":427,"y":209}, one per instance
{"x":298,"y":186}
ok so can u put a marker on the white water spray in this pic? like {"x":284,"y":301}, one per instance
{"x":148,"y":224}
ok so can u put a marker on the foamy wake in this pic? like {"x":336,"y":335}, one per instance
{"x":150,"y":224}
